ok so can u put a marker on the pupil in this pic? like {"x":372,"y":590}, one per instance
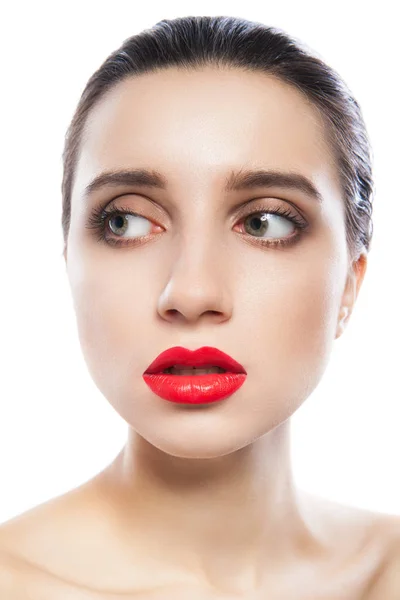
{"x":257,"y":224}
{"x":120,"y":221}
{"x":255,"y":220}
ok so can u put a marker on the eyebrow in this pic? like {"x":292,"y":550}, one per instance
{"x":237,"y":180}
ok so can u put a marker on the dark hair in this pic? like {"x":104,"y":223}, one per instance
{"x":193,"y":41}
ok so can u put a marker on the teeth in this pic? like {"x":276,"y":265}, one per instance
{"x":193,"y":371}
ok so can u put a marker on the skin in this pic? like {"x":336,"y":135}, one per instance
{"x":202,"y":499}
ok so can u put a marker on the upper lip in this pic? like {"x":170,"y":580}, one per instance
{"x":206,"y":356}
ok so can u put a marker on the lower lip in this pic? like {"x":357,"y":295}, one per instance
{"x":194,"y":389}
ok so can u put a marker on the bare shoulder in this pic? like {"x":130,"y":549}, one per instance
{"x":32,"y":542}
{"x":367,"y":543}
{"x":371,"y":525}
{"x":60,"y":549}
{"x":22,"y":577}
{"x":46,"y":522}
{"x":19,"y":579}
{"x":387,"y":582}
{"x":382,"y":537}
{"x":8,"y":576}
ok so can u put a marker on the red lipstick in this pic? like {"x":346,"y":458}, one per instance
{"x":194,"y":389}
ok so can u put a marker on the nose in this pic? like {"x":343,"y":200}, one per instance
{"x":197,"y":287}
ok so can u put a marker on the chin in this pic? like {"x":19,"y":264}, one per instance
{"x":200,"y":442}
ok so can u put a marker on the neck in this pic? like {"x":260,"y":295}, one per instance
{"x":227,"y":520}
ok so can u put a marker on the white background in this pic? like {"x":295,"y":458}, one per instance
{"x":56,"y":429}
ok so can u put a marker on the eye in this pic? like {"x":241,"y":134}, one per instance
{"x":135,"y":225}
{"x":119,"y":221}
{"x":276,"y":226}
{"x":269,"y":226}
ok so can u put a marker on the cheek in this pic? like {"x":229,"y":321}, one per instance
{"x":290,"y":341}
{"x":112,"y":315}
{"x":282,"y":328}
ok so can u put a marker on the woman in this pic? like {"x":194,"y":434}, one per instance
{"x":217,"y":202}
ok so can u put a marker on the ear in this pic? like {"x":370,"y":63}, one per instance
{"x":353,"y":284}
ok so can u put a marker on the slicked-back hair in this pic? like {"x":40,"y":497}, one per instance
{"x":227,"y":42}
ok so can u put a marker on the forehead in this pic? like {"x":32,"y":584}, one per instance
{"x":195,"y":125}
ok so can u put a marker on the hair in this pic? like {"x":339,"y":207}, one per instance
{"x":198,"y":41}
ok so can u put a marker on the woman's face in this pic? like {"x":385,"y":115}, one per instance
{"x":202,"y":274}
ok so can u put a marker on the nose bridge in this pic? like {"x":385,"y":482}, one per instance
{"x":199,"y":256}
{"x":197,"y":278}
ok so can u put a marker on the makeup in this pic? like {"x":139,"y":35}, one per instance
{"x":164,"y":379}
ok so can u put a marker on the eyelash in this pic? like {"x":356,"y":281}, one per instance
{"x":99,"y":216}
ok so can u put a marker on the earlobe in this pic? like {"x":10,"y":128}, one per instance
{"x":343,"y":317}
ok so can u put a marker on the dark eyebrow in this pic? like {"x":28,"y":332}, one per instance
{"x":236,"y":181}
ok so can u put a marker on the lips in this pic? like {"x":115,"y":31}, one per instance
{"x":194,"y":389}
{"x":203,"y":357}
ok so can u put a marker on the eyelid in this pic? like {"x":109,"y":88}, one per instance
{"x":267,"y":203}
{"x":156,"y":212}
{"x":239,"y":208}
